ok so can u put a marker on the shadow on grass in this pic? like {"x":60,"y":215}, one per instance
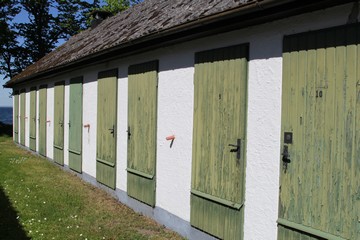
{"x":10,"y":228}
{"x":5,"y":129}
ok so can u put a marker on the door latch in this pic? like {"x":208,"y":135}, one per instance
{"x":286,"y":157}
{"x":128,"y":132}
{"x":112,"y":130}
{"x":237,"y":148}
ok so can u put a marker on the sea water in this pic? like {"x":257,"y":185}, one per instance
{"x":6,"y":115}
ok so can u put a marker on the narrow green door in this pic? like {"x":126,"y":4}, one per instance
{"x":32,"y":119}
{"x":142,"y":116}
{"x":59,"y":123}
{"x":106,"y":128}
{"x":16,"y":116}
{"x":320,"y":186}
{"x":75,"y":124}
{"x":42,"y":119}
{"x":22,"y":116}
{"x":218,"y":159}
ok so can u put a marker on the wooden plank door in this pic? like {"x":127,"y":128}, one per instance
{"x":320,"y":193}
{"x":16,"y":116}
{"x":218,"y":159}
{"x":75,"y":124}
{"x":142,"y":116}
{"x":32,"y":119}
{"x":59,"y":123}
{"x":22,"y":116}
{"x":106,"y":128}
{"x":42,"y":119}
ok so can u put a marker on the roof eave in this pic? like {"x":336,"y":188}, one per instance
{"x":256,"y":12}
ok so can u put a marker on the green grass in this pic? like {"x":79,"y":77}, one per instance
{"x":38,"y":200}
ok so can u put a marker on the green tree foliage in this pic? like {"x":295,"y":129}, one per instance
{"x":115,"y":6}
{"x":8,"y":43}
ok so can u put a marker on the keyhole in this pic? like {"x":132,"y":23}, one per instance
{"x":219,"y":96}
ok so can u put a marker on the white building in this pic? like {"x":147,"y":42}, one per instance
{"x":233,"y":119}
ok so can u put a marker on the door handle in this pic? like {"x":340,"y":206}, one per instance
{"x":112,"y":130}
{"x":286,"y":157}
{"x":128,"y":132}
{"x":237,"y":148}
{"x":61,"y":124}
{"x":69,"y":123}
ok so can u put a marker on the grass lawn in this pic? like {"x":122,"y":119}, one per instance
{"x":38,"y":200}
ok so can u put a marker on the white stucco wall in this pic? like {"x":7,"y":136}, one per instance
{"x":175,"y":116}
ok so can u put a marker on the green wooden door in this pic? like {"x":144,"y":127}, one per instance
{"x":42,"y":119}
{"x":218,"y":159}
{"x":320,"y":186}
{"x":142,"y":115}
{"x":106,"y":128}
{"x":22,"y":116}
{"x":59,"y":123}
{"x":16,"y":116}
{"x":75,"y":124}
{"x":32,"y":119}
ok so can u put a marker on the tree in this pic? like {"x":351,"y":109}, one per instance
{"x":44,"y":29}
{"x":8,"y":43}
{"x":115,"y":6}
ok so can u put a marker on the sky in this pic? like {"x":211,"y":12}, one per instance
{"x":5,"y":100}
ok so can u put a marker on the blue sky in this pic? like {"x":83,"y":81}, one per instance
{"x":5,"y":100}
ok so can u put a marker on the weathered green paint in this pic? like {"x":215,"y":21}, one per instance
{"x":16,"y":116}
{"x":106,"y":128}
{"x":219,"y":120}
{"x":75,"y":124}
{"x":59,"y":123}
{"x":42,"y":119}
{"x":307,"y":231}
{"x":321,"y":107}
{"x":142,"y":120}
{"x":22,"y":116}
{"x":32,"y":119}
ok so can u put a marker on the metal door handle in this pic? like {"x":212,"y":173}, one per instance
{"x":69,"y":123}
{"x":112,"y":130}
{"x":286,"y":157}
{"x":128,"y":132}
{"x":61,"y":124}
{"x":237,"y":148}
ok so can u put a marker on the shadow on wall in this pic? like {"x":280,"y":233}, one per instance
{"x":10,"y":228}
{"x":5,"y":130}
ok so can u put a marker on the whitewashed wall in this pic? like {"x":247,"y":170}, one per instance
{"x":175,"y":116}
